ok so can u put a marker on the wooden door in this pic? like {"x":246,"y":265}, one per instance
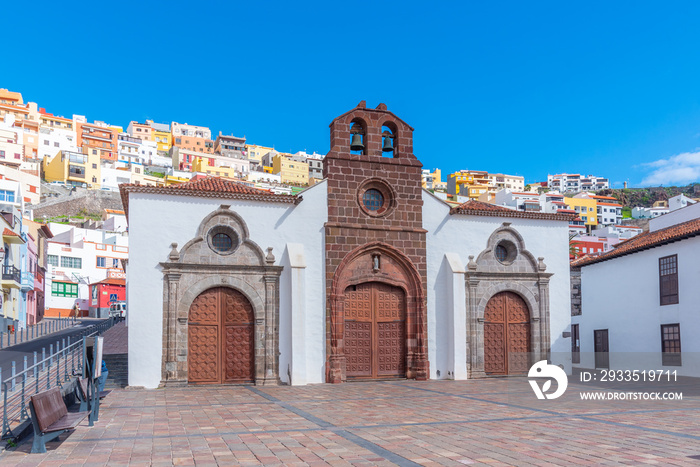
{"x":220,"y":338}
{"x":506,"y":335}
{"x":375,"y":331}
{"x":602,"y":357}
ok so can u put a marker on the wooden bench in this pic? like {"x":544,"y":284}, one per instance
{"x":50,"y":418}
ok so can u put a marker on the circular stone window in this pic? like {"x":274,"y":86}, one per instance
{"x":376,"y":198}
{"x":373,"y":199}
{"x":223,"y":239}
{"x":505,"y":252}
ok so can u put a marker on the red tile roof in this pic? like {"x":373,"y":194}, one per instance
{"x":477,"y":208}
{"x":9,"y":233}
{"x":609,"y":204}
{"x":602,"y":197}
{"x":645,"y":241}
{"x":208,"y":187}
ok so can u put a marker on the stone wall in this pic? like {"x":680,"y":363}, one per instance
{"x":575,"y":291}
{"x":90,"y":201}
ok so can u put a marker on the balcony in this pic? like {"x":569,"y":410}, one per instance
{"x":27,"y":281}
{"x":11,"y":277}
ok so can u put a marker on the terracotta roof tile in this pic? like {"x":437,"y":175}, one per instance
{"x":645,"y":241}
{"x":9,"y":233}
{"x":208,"y":187}
{"x":609,"y":204}
{"x":478,"y":208}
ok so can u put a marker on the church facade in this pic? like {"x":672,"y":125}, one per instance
{"x":362,"y":276}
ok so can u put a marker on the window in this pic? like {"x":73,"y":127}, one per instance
{"x":668,"y":280}
{"x":101,"y":262}
{"x":53,"y":260}
{"x":373,"y":199}
{"x":7,"y":195}
{"x":55,"y":144}
{"x":70,"y":262}
{"x":115,"y":262}
{"x":94,"y":166}
{"x":671,"y":344}
{"x":64,"y":289}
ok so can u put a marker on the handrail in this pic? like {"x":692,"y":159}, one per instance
{"x":53,"y":370}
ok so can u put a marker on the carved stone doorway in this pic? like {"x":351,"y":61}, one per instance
{"x":506,"y":335}
{"x":375,"y":331}
{"x":220,"y":338}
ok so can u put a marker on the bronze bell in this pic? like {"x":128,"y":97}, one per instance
{"x":388,"y":143}
{"x":356,"y":143}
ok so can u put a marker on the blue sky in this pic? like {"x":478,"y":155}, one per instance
{"x":529,"y":88}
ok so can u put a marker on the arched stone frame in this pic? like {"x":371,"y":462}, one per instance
{"x":396,"y":270}
{"x":197,"y":268}
{"x":524,"y":276}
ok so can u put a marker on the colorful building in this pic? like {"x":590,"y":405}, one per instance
{"x":142,"y":131}
{"x":586,"y":208}
{"x":98,"y":140}
{"x":41,"y":234}
{"x":290,"y":170}
{"x":103,"y":294}
{"x":162,"y":136}
{"x":74,"y":168}
{"x":14,"y":240}
{"x":255,"y":153}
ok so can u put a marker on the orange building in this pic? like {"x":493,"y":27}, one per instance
{"x":97,"y":140}
{"x":142,"y":131}
{"x":193,"y":143}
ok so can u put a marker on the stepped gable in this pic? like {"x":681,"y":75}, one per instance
{"x":645,"y":241}
{"x":208,"y":187}
{"x":478,"y":208}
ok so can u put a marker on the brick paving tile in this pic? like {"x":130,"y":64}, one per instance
{"x":435,"y":423}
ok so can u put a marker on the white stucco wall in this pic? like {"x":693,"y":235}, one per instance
{"x":155,"y":221}
{"x":622,"y":296}
{"x":468,"y":235}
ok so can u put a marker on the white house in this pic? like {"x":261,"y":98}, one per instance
{"x":648,"y":213}
{"x":78,"y":257}
{"x":639,"y":301}
{"x":364,"y":275}
{"x":53,"y":140}
{"x":679,"y":201}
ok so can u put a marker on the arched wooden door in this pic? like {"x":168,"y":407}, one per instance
{"x":506,"y":335}
{"x":220,"y":338}
{"x":375,"y":331}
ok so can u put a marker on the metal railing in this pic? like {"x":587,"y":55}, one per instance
{"x":45,"y":327}
{"x":11,"y":273}
{"x":64,"y":361}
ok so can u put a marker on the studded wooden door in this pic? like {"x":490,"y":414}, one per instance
{"x":220,"y":338}
{"x":506,"y":335}
{"x":375,"y":331}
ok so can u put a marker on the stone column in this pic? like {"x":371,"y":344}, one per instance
{"x":475,"y":323}
{"x":271,"y":328}
{"x":336,"y":373}
{"x":171,"y":344}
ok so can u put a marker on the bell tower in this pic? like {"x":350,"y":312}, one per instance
{"x":374,"y":240}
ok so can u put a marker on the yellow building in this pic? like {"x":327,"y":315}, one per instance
{"x":471,"y":183}
{"x":433,"y":180}
{"x":202,"y":166}
{"x":73,"y":168}
{"x":289,"y":170}
{"x":256,"y":153}
{"x":586,"y":208}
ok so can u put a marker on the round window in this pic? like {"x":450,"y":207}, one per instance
{"x":505,"y":252}
{"x":221,"y":242}
{"x":373,"y":199}
{"x":223,"y":239}
{"x":501,"y":253}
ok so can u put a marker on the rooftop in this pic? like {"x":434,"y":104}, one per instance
{"x":645,"y":241}
{"x":477,"y":208}
{"x":208,"y":187}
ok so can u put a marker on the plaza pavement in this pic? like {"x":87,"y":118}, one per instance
{"x":495,"y":421}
